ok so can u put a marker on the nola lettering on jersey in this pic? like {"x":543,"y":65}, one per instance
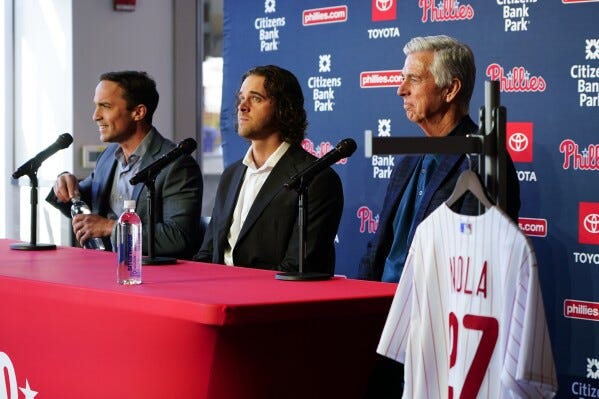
{"x":465,"y":279}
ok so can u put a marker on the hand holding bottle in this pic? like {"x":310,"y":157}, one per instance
{"x":88,"y":228}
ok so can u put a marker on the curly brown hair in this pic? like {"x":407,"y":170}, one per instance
{"x":283,"y":87}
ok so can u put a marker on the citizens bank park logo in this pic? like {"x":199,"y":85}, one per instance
{"x":382,"y":165}
{"x":588,"y":223}
{"x":8,"y":375}
{"x":585,"y":389}
{"x":586,"y":75}
{"x":320,"y":150}
{"x":323,"y":87}
{"x":384,"y":10}
{"x":445,"y":11}
{"x":593,"y":368}
{"x":325,"y":15}
{"x":516,"y":17}
{"x":518,"y":79}
{"x":369,"y":223}
{"x":519,"y":137}
{"x":269,"y":28}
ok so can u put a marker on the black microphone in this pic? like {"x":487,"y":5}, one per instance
{"x":344,"y":149}
{"x":186,"y":146}
{"x":63,"y":141}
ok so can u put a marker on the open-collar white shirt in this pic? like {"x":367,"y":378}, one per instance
{"x":252,"y":183}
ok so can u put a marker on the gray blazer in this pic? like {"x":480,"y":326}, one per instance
{"x":177,"y":200}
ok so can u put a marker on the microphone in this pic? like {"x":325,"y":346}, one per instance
{"x":344,"y":149}
{"x":186,"y":146}
{"x":63,"y":141}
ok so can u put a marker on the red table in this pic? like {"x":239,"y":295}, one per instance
{"x":191,"y":330}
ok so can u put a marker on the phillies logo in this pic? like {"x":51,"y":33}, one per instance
{"x":587,"y":159}
{"x":445,"y":10}
{"x":8,"y":380}
{"x":519,"y":141}
{"x":368,"y":222}
{"x":320,"y":150}
{"x":588,"y":223}
{"x":516,"y":80}
{"x":384,"y":10}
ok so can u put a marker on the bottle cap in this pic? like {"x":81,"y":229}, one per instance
{"x":129,"y":204}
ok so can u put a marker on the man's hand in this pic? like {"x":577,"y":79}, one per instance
{"x":66,"y":187}
{"x":88,"y":226}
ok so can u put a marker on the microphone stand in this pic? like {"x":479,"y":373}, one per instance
{"x":302,"y":219}
{"x":151,"y":259}
{"x":33,"y":245}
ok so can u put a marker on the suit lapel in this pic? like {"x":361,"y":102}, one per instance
{"x":153,"y":151}
{"x":102,"y":182}
{"x":289,"y":164}
{"x":446,"y":165}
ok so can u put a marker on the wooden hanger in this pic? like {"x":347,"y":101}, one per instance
{"x":470,"y":181}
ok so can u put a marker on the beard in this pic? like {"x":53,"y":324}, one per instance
{"x":252,"y":131}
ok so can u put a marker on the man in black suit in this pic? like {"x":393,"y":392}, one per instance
{"x":254,"y":220}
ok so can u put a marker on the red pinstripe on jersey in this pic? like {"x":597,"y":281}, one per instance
{"x":468,"y":319}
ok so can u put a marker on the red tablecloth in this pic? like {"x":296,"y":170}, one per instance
{"x":191,"y":330}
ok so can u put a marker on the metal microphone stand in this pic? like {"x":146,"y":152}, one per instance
{"x":33,"y":245}
{"x":151,"y":259}
{"x":302,"y":219}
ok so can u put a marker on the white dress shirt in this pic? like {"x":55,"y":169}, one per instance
{"x":252,"y":183}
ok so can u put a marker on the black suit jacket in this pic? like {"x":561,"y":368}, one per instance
{"x":438,"y":190}
{"x":269,"y":237}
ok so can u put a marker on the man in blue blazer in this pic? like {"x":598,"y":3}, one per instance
{"x":124,"y":105}
{"x":439,"y":75}
{"x":438,"y":80}
{"x":254,"y":222}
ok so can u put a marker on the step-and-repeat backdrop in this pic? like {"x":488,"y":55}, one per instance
{"x":348,"y":56}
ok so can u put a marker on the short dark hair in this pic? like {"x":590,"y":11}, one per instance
{"x":138,"y":88}
{"x":283,"y":87}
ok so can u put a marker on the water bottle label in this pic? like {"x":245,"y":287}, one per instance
{"x":127,"y":255}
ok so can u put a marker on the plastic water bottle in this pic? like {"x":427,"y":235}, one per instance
{"x":129,"y":255}
{"x":79,"y":207}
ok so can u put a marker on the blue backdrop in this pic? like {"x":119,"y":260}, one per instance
{"x":348,"y":56}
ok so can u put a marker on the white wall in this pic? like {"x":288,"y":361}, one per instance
{"x":7,"y":191}
{"x":42,"y":103}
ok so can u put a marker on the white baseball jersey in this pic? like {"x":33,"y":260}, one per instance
{"x":467,"y":319}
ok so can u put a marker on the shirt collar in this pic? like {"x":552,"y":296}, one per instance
{"x":141,"y":149}
{"x":272,"y":160}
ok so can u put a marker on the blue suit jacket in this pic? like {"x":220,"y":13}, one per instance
{"x":177,"y":200}
{"x":269,"y":238}
{"x":438,"y":190}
